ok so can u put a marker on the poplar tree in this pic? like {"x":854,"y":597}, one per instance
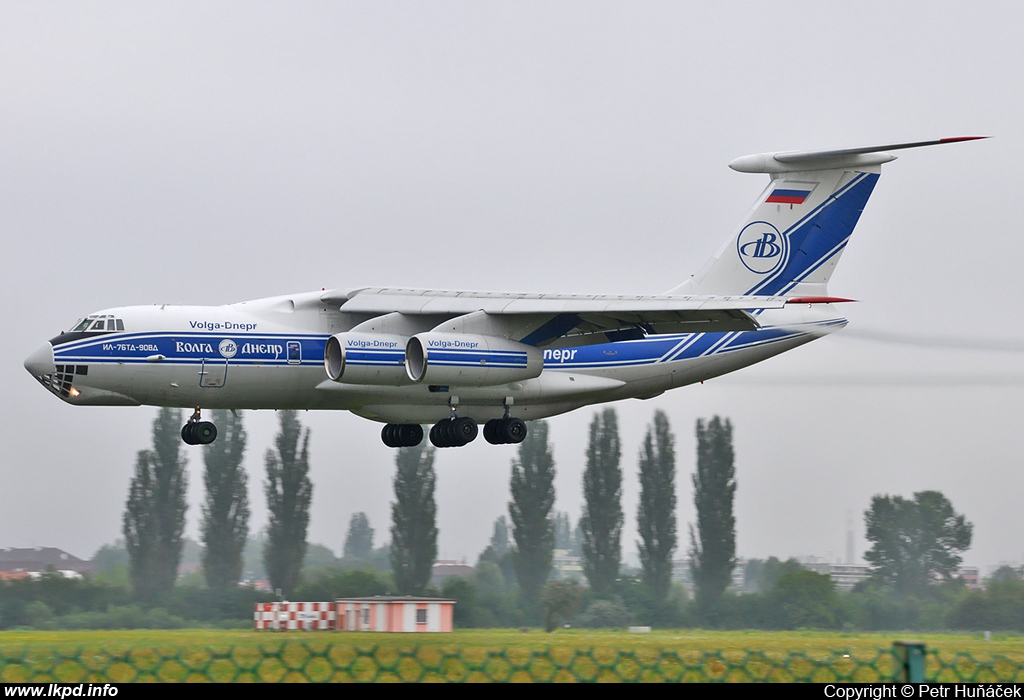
{"x":656,"y":514}
{"x":289,"y":494}
{"x":359,"y":540}
{"x":601,"y":523}
{"x":533,"y":497}
{"x":413,"y":519}
{"x":154,"y":518}
{"x":225,"y":525}
{"x":713,"y":544}
{"x":499,"y":537}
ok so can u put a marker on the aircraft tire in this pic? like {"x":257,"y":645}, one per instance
{"x":186,"y":434}
{"x":513,"y":431}
{"x":464,"y":431}
{"x":409,"y":435}
{"x":447,"y":432}
{"x":436,"y":438}
{"x":204,"y":432}
{"x":492,"y":431}
{"x":387,"y":435}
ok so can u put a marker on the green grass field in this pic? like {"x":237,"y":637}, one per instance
{"x":482,"y":655}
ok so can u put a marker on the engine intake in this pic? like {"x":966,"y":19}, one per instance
{"x":470,"y":360}
{"x":366,"y":358}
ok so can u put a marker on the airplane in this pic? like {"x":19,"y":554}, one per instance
{"x":456,"y":359}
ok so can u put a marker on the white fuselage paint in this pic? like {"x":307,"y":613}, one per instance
{"x":268,"y":354}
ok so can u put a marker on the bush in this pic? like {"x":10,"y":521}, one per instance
{"x":1000,"y":607}
{"x":604,"y":614}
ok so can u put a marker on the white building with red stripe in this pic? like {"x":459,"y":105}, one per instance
{"x":384,"y":613}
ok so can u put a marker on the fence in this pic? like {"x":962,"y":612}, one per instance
{"x":308,"y":661}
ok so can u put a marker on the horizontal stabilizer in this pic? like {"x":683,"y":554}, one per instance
{"x":795,"y":161}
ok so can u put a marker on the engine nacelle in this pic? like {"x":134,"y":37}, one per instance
{"x":470,"y":360}
{"x":366,"y":358}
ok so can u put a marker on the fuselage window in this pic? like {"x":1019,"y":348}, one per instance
{"x":81,"y":325}
{"x":120,"y":325}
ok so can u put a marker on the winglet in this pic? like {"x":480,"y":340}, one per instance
{"x":790,"y":161}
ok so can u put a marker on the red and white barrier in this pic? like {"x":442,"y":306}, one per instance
{"x":296,"y":616}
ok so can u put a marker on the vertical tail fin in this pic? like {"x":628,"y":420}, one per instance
{"x":792,"y":239}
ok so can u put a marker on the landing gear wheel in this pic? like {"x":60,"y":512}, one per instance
{"x":401,"y":435}
{"x":436,"y":438}
{"x":513,"y":431}
{"x":492,"y":431}
{"x":197,"y":431}
{"x":204,"y":432}
{"x":410,"y":435}
{"x":463,"y":431}
{"x":453,"y":432}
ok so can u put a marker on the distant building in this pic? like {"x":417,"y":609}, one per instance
{"x":846,"y":576}
{"x":970,"y":575}
{"x":682,"y":572}
{"x":816,"y":564}
{"x":34,"y":561}
{"x":566,"y":567}
{"x":738,"y":582}
{"x":445,"y":569}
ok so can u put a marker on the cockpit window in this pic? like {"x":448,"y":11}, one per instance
{"x":100,"y":323}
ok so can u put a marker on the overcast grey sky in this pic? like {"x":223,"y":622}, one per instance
{"x":207,"y":153}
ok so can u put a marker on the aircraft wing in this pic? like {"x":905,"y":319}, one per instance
{"x":552,"y":319}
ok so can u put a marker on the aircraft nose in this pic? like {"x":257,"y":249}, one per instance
{"x":40,"y":362}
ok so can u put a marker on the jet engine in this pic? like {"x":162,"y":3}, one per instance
{"x":366,"y":358}
{"x":470,"y":360}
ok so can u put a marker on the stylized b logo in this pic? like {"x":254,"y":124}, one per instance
{"x":761,"y":247}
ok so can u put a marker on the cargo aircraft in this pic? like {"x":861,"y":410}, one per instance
{"x":409,"y":357}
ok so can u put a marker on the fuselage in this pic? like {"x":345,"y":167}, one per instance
{"x":269,"y":354}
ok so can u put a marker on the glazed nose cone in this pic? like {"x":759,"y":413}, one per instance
{"x":40,"y":362}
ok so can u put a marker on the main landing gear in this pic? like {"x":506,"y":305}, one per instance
{"x":505,"y":431}
{"x":453,"y":432}
{"x":457,"y":431}
{"x":197,"y":431}
{"x":394,"y":435}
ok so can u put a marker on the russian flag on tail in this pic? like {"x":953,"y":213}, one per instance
{"x":788,"y":195}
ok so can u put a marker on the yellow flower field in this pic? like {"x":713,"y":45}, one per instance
{"x":490,"y":655}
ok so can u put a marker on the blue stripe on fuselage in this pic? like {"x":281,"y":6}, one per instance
{"x":655,"y":349}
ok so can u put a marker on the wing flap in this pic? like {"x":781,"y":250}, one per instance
{"x":451,"y":303}
{"x":549,"y":319}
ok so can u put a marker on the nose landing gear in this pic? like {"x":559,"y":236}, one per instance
{"x":197,"y":431}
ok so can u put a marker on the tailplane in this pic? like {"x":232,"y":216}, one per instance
{"x":791,"y":241}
